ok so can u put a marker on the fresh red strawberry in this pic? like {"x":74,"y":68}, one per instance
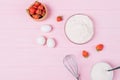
{"x":38,"y":11}
{"x":59,"y":18}
{"x":43,"y":12}
{"x":36,"y":16}
{"x":35,"y":6}
{"x":37,"y":3}
{"x":41,"y":7}
{"x":99,"y":47}
{"x":31,"y":13}
{"x":32,"y":10}
{"x":85,"y":53}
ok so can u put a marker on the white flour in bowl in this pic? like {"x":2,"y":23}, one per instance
{"x":79,"y":29}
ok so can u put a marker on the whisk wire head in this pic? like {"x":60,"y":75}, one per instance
{"x":71,"y":65}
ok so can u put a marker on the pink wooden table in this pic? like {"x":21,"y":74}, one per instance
{"x":21,"y":58}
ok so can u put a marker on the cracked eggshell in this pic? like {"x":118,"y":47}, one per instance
{"x":41,"y":40}
{"x":51,"y":43}
{"x":46,"y":28}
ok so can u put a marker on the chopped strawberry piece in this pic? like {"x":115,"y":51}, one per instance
{"x":36,"y":16}
{"x":35,"y":6}
{"x":32,"y":10}
{"x":38,"y":11}
{"x":41,"y":7}
{"x":37,"y":3}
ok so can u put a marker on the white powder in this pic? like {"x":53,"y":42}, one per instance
{"x":79,"y":29}
{"x":99,"y":72}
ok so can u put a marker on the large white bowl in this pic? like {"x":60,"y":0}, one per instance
{"x":79,"y":29}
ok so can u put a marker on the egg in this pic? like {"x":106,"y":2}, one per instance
{"x":46,"y":28}
{"x":51,"y":43}
{"x":41,"y":40}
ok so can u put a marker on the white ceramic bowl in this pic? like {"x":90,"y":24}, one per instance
{"x":79,"y":28}
{"x":99,"y":72}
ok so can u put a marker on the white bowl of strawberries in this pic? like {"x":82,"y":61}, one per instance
{"x":37,"y":11}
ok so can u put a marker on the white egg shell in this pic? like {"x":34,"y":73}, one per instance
{"x":41,"y":40}
{"x":46,"y":28}
{"x":51,"y":42}
{"x":99,"y":72}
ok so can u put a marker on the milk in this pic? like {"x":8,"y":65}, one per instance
{"x":99,"y":72}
